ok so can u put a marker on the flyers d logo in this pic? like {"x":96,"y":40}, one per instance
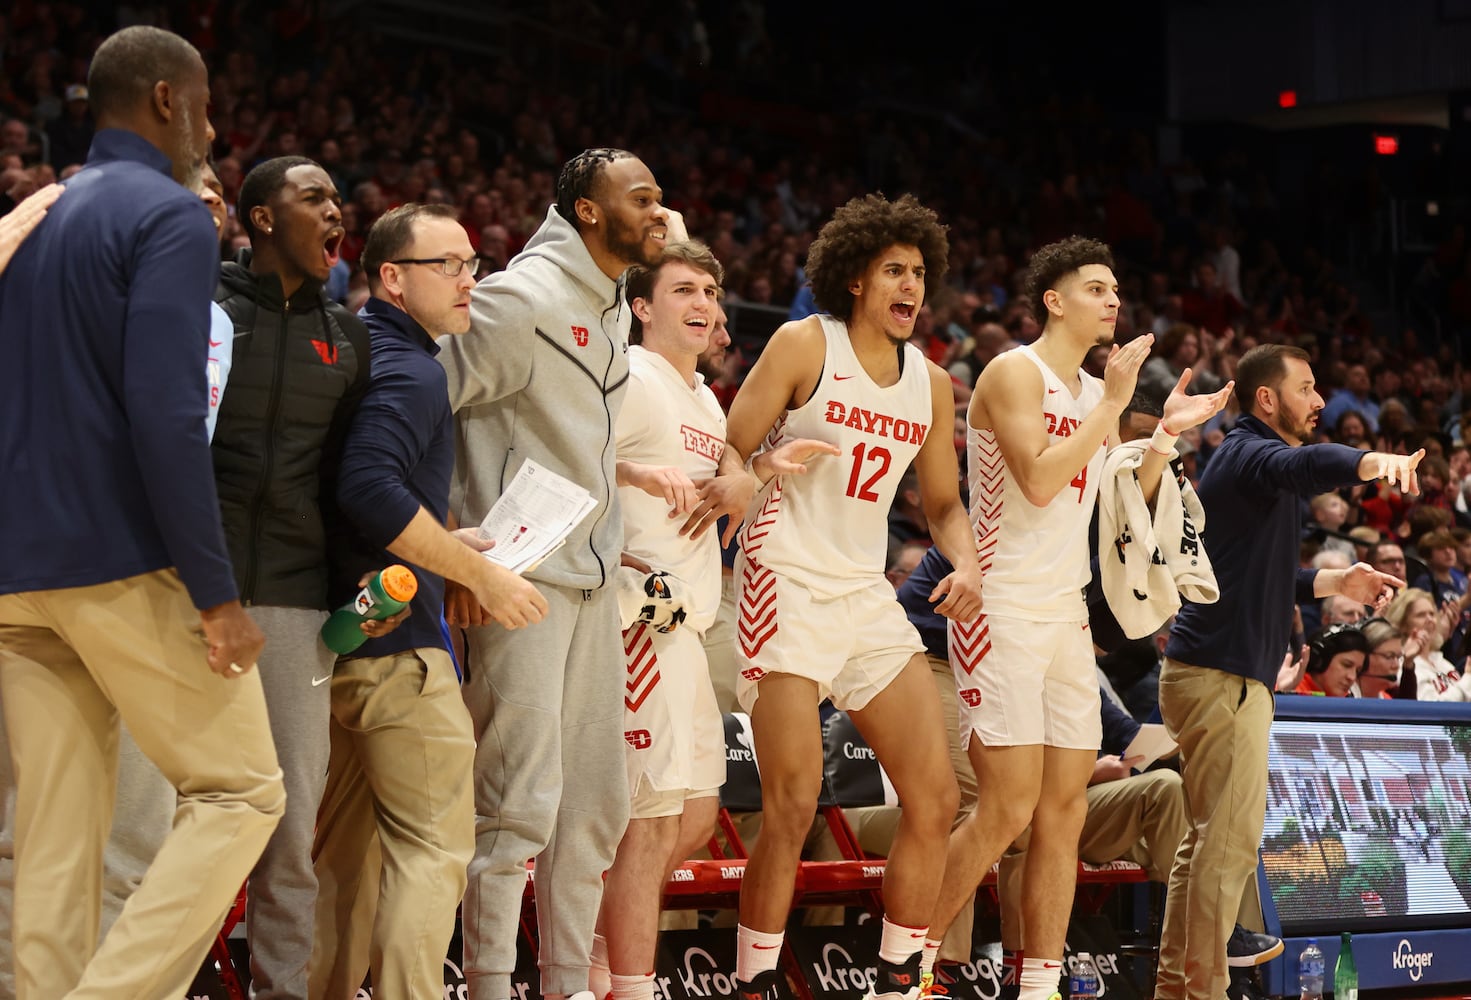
{"x":639,"y":739}
{"x":579,"y":334}
{"x":971,"y":697}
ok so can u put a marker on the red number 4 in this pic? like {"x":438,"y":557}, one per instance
{"x":875,"y":454}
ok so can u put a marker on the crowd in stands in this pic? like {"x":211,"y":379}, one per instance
{"x":1207,"y":264}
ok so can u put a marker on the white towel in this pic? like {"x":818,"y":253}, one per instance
{"x":1147,"y":562}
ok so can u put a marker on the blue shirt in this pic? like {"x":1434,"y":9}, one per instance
{"x":1252,"y":493}
{"x":104,"y":323}
{"x":399,"y":456}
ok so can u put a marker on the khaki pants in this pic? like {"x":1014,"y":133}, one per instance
{"x":397,"y":826}
{"x":719,"y":641}
{"x":1222,"y":722}
{"x":1139,"y":819}
{"x":72,"y":662}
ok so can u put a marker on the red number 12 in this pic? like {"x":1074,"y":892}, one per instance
{"x":876,"y":454}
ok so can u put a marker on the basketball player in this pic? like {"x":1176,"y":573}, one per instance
{"x":845,"y":405}
{"x":675,"y":741}
{"x":1029,"y":714}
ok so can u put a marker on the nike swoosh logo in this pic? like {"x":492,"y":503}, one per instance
{"x":1051,"y":391}
{"x":842,"y":378}
{"x":215,"y":343}
{"x":319,"y":681}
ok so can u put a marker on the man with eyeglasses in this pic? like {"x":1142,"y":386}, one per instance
{"x":541,"y":375}
{"x":397,"y":822}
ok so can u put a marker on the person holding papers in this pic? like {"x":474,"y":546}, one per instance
{"x":397,"y":823}
{"x":541,"y":376}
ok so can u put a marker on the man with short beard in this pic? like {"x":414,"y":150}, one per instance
{"x":1221,"y":663}
{"x":300,"y":365}
{"x":116,"y":597}
{"x":541,"y":376}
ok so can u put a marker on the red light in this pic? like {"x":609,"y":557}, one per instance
{"x":1287,"y":99}
{"x":1386,"y":145}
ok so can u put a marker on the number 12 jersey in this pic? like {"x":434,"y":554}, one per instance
{"x":827,"y":529}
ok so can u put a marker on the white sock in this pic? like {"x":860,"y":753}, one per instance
{"x":899,"y":943}
{"x":598,"y":978}
{"x":931,"y":952}
{"x":633,"y":987}
{"x":756,"y":952}
{"x":1039,"y":978}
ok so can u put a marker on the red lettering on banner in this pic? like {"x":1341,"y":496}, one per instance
{"x":702,"y":444}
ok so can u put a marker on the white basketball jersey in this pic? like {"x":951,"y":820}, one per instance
{"x":666,"y":421}
{"x":1034,"y":560}
{"x":827,"y":529}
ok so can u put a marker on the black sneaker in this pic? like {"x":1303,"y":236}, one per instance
{"x":899,"y":982}
{"x":1247,"y":948}
{"x":763,"y":987}
{"x":1243,"y":987}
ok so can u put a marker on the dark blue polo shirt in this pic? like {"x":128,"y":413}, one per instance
{"x":399,"y":456}
{"x":1252,"y":492}
{"x":104,"y":327}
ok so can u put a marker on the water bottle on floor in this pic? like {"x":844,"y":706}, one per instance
{"x":1083,"y":983}
{"x":1345,"y":973}
{"x":1310,"y":972}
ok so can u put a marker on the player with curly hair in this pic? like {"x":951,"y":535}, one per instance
{"x":1036,"y":433}
{"x":844,"y":405}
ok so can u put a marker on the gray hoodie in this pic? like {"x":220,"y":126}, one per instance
{"x":541,"y":375}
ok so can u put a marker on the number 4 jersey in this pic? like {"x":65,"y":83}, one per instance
{"x":828,"y":529}
{"x":1034,"y":560}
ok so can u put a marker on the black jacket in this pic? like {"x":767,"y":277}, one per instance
{"x":300,"y":368}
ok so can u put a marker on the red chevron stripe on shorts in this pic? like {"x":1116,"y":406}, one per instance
{"x":756,"y":530}
{"x":969,"y":643}
{"x":643,"y":666}
{"x":757,"y":621}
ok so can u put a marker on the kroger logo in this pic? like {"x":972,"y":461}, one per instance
{"x":1416,"y":961}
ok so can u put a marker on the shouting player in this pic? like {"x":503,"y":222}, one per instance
{"x":845,"y":404}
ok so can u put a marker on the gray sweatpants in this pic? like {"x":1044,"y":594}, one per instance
{"x":550,"y":784}
{"x":296,"y":675}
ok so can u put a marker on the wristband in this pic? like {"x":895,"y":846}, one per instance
{"x":1162,"y":441}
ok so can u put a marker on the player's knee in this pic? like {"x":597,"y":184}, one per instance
{"x":932,"y":809}
{"x":1007,"y":814}
{"x":788,"y":805}
{"x":1062,"y":812}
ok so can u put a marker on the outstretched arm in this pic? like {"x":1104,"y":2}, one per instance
{"x":1182,"y":411}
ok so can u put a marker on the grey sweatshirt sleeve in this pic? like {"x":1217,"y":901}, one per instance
{"x":493,"y":359}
